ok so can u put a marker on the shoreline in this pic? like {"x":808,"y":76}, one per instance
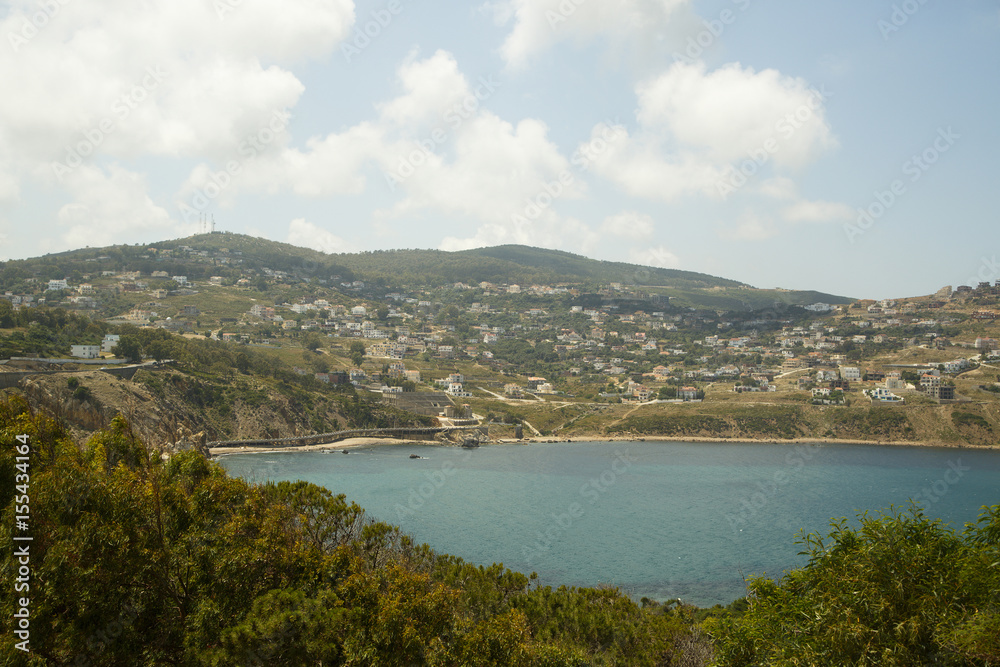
{"x":774,"y":441}
{"x":356,"y":443}
{"x":338,"y":446}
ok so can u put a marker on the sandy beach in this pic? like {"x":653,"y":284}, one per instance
{"x":354,"y":443}
{"x":340,"y":445}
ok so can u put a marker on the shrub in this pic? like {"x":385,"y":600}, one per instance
{"x":899,"y":590}
{"x":969,"y":419}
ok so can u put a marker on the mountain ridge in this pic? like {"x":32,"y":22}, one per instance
{"x":504,"y":264}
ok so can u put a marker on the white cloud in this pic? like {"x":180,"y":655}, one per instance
{"x":539,"y":24}
{"x":445,"y":152}
{"x":438,"y":111}
{"x":630,"y":225}
{"x":108,"y":207}
{"x":818,"y":211}
{"x":657,"y":256}
{"x":432,"y":86}
{"x":307,"y":235}
{"x":697,"y":128}
{"x":548,"y":230}
{"x":733,"y":112}
{"x":100,"y":81}
{"x":779,"y":187}
{"x":499,"y":170}
{"x":217,"y":77}
{"x":641,"y":166}
{"x":10,"y":189}
{"x":751,"y":227}
{"x":333,"y":165}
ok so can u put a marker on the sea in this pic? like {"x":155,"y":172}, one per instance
{"x":662,"y":520}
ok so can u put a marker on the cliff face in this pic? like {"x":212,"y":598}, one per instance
{"x":174,"y":411}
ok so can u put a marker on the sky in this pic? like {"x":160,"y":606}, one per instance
{"x":848,"y":147}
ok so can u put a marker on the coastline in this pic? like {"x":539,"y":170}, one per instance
{"x":338,"y":446}
{"x":773,"y":441}
{"x":355,"y":443}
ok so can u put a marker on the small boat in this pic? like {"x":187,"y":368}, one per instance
{"x":415,"y":456}
{"x":345,"y":451}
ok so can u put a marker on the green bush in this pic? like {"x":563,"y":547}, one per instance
{"x":876,"y":423}
{"x":898,"y":590}
{"x":969,"y":419}
{"x":763,"y":421}
{"x":191,"y":567}
{"x":82,"y":393}
{"x":672,"y":425}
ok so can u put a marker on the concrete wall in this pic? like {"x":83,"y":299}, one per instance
{"x":9,"y":380}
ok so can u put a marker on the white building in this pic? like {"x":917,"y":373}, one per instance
{"x":881,"y":395}
{"x":110,"y":340}
{"x":826,"y":375}
{"x":956,"y":366}
{"x":85,"y":351}
{"x":852,"y":373}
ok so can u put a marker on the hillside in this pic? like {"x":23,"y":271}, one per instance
{"x":398,"y":269}
{"x":209,"y":391}
{"x":516,"y":263}
{"x":255,"y":329}
{"x":137,"y":561}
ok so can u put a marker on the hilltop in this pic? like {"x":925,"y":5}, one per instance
{"x":230,"y":255}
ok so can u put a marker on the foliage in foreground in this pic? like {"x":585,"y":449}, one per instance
{"x":900,"y":589}
{"x":139,"y":562}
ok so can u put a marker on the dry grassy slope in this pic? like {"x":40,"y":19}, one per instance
{"x":162,"y":420}
{"x":930,"y":423}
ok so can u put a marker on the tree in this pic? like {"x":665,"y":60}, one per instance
{"x":900,"y":589}
{"x":6,"y":314}
{"x":668,"y":392}
{"x":158,"y":349}
{"x":313,"y":341}
{"x":128,"y":347}
{"x":357,"y":352}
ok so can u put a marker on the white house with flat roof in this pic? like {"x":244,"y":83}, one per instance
{"x":85,"y":351}
{"x":852,"y":373}
{"x":110,"y":340}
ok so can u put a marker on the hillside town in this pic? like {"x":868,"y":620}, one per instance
{"x":610,"y":342}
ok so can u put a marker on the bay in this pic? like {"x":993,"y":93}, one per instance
{"x":658,"y":519}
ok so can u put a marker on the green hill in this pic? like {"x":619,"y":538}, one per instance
{"x":404,"y":269}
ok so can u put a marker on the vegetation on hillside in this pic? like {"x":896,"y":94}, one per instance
{"x":45,"y":332}
{"x":397,"y":268}
{"x":143,"y":562}
{"x":222,"y":389}
{"x":135,"y":561}
{"x":898,"y":590}
{"x":756,"y":422}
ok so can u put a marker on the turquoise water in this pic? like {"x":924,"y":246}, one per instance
{"x":661,"y":520}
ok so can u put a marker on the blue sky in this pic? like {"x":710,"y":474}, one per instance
{"x":846,"y":147}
